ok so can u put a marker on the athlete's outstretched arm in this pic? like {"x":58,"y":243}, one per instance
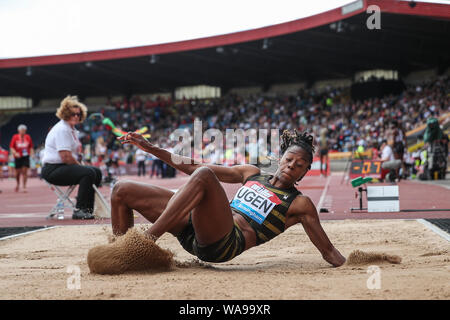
{"x":309,"y":218}
{"x":235,"y":174}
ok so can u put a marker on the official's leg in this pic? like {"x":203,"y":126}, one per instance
{"x":83,"y":176}
{"x":98,"y":176}
{"x":93,"y":178}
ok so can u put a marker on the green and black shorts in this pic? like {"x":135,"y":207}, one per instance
{"x":230,"y":246}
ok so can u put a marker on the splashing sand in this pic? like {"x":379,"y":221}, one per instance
{"x":130,"y":252}
{"x":193,"y":263}
{"x":110,"y":236}
{"x":358,"y":257}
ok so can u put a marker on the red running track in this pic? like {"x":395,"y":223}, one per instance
{"x":31,"y":208}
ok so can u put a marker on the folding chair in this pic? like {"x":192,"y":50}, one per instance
{"x":101,"y":208}
{"x":63,"y":197}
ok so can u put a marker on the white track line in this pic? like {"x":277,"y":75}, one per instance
{"x":26,"y":215}
{"x":30,"y":205}
{"x":324,"y":193}
{"x":25,"y":233}
{"x":430,"y":183}
{"x":437,"y":230}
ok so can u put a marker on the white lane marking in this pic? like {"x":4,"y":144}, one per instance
{"x":324,"y":192}
{"x":437,"y":230}
{"x":431,"y":183}
{"x":23,"y":215}
{"x":328,"y":201}
{"x":25,"y":233}
{"x":31,"y":205}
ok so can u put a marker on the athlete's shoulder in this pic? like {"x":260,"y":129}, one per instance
{"x":248,"y":170}
{"x":302,"y":199}
{"x":302,"y":204}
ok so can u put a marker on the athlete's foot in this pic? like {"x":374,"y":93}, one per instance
{"x":17,"y":189}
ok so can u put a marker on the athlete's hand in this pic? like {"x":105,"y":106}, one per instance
{"x":136,"y":139}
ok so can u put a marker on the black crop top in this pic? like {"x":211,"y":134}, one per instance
{"x":263,"y":206}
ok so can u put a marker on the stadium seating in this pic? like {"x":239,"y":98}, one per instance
{"x":349,"y":122}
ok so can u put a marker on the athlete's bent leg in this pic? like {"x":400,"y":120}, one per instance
{"x":205,"y":197}
{"x":148,"y":200}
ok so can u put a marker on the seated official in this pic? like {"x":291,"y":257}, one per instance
{"x":390,"y":164}
{"x":61,"y":165}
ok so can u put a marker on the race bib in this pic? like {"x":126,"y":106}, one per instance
{"x":23,"y":146}
{"x":255,"y":201}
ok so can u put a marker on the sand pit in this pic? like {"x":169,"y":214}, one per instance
{"x":36,"y":266}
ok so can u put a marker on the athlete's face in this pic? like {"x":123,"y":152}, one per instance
{"x":293,"y":165}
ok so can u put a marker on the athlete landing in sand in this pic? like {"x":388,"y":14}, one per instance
{"x":200,"y":215}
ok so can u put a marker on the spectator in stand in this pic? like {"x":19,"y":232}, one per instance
{"x":21,"y":148}
{"x":4,"y":162}
{"x":323,"y":149}
{"x":375,"y":150}
{"x":445,"y":143}
{"x":11,"y":166}
{"x":345,"y":119}
{"x":399,"y":137}
{"x":100,"y":149}
{"x":141,"y":156}
{"x":157,"y":167}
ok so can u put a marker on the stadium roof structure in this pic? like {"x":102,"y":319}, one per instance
{"x":331,"y":45}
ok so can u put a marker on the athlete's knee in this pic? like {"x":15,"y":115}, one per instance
{"x":204,"y":175}
{"x":120,"y":190}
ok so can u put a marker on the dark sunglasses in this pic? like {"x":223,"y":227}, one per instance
{"x":76,"y":114}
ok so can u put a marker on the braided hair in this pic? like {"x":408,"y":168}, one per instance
{"x":295,"y":138}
